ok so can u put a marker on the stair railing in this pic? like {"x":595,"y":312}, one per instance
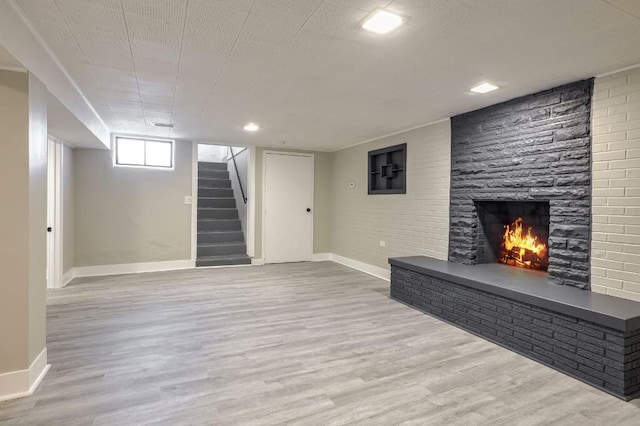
{"x":235,"y":165}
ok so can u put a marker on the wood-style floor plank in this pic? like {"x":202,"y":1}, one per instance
{"x":301,"y":344}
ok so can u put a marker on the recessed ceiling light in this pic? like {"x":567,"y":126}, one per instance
{"x":251,"y":127}
{"x":382,"y":22}
{"x":484,"y":88}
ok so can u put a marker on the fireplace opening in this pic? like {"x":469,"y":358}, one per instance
{"x":515,"y":233}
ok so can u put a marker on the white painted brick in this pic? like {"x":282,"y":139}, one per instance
{"x":624,"y":257}
{"x":633,"y":173}
{"x":606,"y":265}
{"x":624,"y":89}
{"x":632,"y":230}
{"x":631,"y":286}
{"x":632,"y":267}
{"x":599,"y":289}
{"x":632,"y":192}
{"x":627,"y":144}
{"x":607,"y":282}
{"x":618,"y":238}
{"x":600,"y":210}
{"x":624,"y":107}
{"x":603,"y":245}
{"x":633,"y":153}
{"x":610,"y":155}
{"x":600,"y":166}
{"x":608,"y":192}
{"x":623,"y":201}
{"x":633,"y":163}
{"x":611,"y":137}
{"x":607,"y":228}
{"x":609,"y":174}
{"x":626,"y":125}
{"x":624,"y":220}
{"x":623,"y":276}
{"x":632,"y":248}
{"x":624,"y":183}
{"x":600,"y":219}
{"x":599,"y":112}
{"x":609,"y":102}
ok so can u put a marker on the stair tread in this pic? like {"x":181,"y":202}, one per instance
{"x":219,"y":232}
{"x":222,"y":243}
{"x":208,"y":219}
{"x":216,"y":198}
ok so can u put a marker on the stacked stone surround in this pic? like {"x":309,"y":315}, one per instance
{"x":615,"y":265}
{"x":534,"y":148}
{"x":603,"y":357}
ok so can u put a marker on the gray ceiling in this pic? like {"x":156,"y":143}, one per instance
{"x":308,"y":74}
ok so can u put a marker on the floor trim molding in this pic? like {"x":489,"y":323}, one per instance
{"x":131,"y":268}
{"x":18,"y":384}
{"x":367,"y":268}
{"x":320,"y":257}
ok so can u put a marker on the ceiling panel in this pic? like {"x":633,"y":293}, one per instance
{"x":307,"y":72}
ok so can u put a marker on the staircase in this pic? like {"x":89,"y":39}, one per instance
{"x":220,"y":236}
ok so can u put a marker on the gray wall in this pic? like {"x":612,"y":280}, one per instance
{"x":68,"y":203}
{"x":130,"y":214}
{"x":23,"y":189}
{"x":242,"y":161}
{"x":415,"y":223}
{"x":322,"y":200}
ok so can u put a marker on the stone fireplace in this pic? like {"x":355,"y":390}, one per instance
{"x":515,"y":233}
{"x":534,"y":150}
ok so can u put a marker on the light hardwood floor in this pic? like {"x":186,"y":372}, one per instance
{"x":308,"y":344}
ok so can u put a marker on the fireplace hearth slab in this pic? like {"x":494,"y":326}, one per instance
{"x":592,"y":337}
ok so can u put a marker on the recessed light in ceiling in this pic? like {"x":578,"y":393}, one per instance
{"x":251,"y":127}
{"x":382,"y":22}
{"x":484,"y":88}
{"x":168,"y":125}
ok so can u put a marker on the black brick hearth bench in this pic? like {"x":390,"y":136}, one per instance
{"x":592,"y":337}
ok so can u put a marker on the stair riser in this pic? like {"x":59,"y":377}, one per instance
{"x":222,"y":250}
{"x":219,"y":225}
{"x":219,"y":193}
{"x":212,"y":166}
{"x":221,"y":237}
{"x":218,"y":203}
{"x":214,"y":183}
{"x":218,"y":214}
{"x":215,"y":174}
{"x":245,"y":261}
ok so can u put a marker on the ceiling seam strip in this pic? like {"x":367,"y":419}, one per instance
{"x":175,"y":90}
{"x":226,"y":60}
{"x":133,"y":63}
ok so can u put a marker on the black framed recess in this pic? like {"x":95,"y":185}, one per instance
{"x":388,"y":170}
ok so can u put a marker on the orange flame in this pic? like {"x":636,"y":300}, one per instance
{"x":514,"y":238}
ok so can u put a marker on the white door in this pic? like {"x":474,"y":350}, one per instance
{"x":288,"y":207}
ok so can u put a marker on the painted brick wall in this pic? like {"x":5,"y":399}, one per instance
{"x":533,"y":148}
{"x":415,"y":223}
{"x":615,"y":264}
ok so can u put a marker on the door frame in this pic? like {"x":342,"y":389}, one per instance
{"x":264,"y":195}
{"x":250,"y":193}
{"x":54,"y":212}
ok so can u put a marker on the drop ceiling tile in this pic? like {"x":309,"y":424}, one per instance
{"x":367,"y":5}
{"x":81,"y":14}
{"x":336,"y":19}
{"x":298,"y":10}
{"x":268,"y":30}
{"x":215,"y":18}
{"x":167,"y":11}
{"x":148,"y":99}
{"x":45,"y":10}
{"x":105,"y":49}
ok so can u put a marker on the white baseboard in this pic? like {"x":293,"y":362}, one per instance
{"x":320,"y":257}
{"x":18,"y":384}
{"x":67,"y":277}
{"x":376,"y":271}
{"x":255,"y":261}
{"x":131,"y":268}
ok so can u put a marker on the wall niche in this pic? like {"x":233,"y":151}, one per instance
{"x":387,"y":170}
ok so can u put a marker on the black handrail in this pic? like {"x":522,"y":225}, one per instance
{"x":233,"y":157}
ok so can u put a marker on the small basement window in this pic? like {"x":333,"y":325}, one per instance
{"x":144,"y":153}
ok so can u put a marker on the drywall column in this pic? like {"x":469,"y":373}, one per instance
{"x":23,"y":221}
{"x":615,"y":265}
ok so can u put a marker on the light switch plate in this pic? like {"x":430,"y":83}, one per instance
{"x":383,"y":243}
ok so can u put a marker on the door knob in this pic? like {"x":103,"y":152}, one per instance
{"x":308,"y":210}
{"x":49,"y":229}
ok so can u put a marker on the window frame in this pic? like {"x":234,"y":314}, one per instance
{"x":117,"y":163}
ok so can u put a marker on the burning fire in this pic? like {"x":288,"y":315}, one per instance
{"x":522,"y":249}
